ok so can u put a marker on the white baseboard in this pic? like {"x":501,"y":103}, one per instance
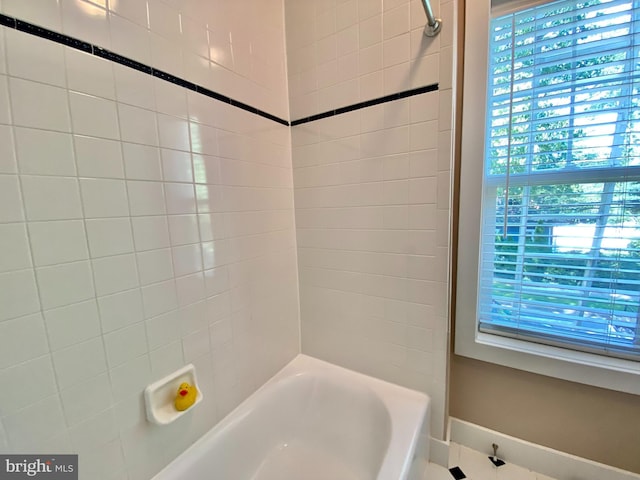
{"x":547,"y":461}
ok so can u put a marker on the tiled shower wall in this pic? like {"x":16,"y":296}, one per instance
{"x":372,"y":188}
{"x":141,"y":225}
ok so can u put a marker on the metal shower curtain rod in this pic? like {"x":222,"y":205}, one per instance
{"x":433,"y":26}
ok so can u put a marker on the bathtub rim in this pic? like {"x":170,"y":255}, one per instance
{"x":407,"y":409}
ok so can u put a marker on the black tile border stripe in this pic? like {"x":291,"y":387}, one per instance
{"x":71,"y":42}
{"x":368,"y":103}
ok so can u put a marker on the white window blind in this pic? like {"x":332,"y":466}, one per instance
{"x":560,"y":254}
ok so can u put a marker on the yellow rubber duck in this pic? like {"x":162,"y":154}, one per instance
{"x":186,"y":396}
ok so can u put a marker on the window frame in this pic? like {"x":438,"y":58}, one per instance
{"x":591,"y":369}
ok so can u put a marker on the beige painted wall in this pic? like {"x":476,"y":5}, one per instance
{"x":594,"y":423}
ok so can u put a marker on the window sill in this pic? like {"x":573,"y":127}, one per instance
{"x":580,"y":367}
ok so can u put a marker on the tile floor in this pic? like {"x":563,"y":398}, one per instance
{"x":475,"y":465}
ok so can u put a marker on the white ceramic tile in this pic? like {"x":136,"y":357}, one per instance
{"x":159,"y":298}
{"x":45,"y":13}
{"x":216,"y":281}
{"x":166,"y":55}
{"x":150,"y":232}
{"x":39,"y":106}
{"x":10,"y":200}
{"x":195,"y":36}
{"x":155,"y":266}
{"x":209,"y":198}
{"x":89,"y":74}
{"x":79,"y":363}
{"x":104,"y":198}
{"x":170,"y":99}
{"x":98,"y":157}
{"x":65,"y":284}
{"x":176,"y":166}
{"x":120,"y":310}
{"x":73,"y":324}
{"x":130,"y":377}
{"x":195,"y":345}
{"x":134,"y":87}
{"x":22,"y":339}
{"x":58,"y":242}
{"x":146,"y":198}
{"x":86,"y":21}
{"x":115,"y":274}
{"x":206,"y":168}
{"x":163,"y":329}
{"x":187,"y":259}
{"x":190,"y":289}
{"x":35,"y":379}
{"x":40,"y":191}
{"x":137,"y":125}
{"x":43,"y":152}
{"x":5,"y":116}
{"x":134,"y":11}
{"x":7,"y":151}
{"x":125,"y":344}
{"x":183,"y":229}
{"x":130,"y":39}
{"x":109,"y":236}
{"x":94,"y":432}
{"x":86,"y":399}
{"x":180,"y":198}
{"x":167,"y":359}
{"x":34,"y":58}
{"x":212,"y":226}
{"x":18,"y":294}
{"x":94,"y":116}
{"x":203,"y":139}
{"x":14,"y":247}
{"x":174,"y":132}
{"x":141,"y":162}
{"x":33,"y":426}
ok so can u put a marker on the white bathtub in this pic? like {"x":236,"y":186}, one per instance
{"x":311,"y":421}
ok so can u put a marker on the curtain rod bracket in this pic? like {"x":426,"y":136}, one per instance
{"x":434,"y":25}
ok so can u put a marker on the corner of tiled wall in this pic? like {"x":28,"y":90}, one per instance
{"x":372,"y":187}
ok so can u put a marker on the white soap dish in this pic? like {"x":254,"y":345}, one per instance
{"x":159,"y":397}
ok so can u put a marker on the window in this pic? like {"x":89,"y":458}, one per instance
{"x":558,"y":210}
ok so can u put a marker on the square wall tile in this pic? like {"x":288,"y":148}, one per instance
{"x":34,"y":58}
{"x":5,"y":116}
{"x":39,"y":106}
{"x":10,"y":200}
{"x":134,"y":87}
{"x":22,"y":339}
{"x":14,"y":247}
{"x":34,"y":425}
{"x":150,"y":232}
{"x":35,"y":379}
{"x":187,"y":259}
{"x":45,"y":13}
{"x":183,"y":229}
{"x":141,"y":162}
{"x":58,"y":242}
{"x":86,"y":399}
{"x":104,"y":198}
{"x":98,"y":157}
{"x":115,"y":274}
{"x":79,"y":363}
{"x":180,"y":198}
{"x":87,"y":21}
{"x":120,"y":310}
{"x":43,"y":152}
{"x":18,"y":294}
{"x":125,"y":344}
{"x":89,"y":74}
{"x":109,"y":236}
{"x":73,"y":324}
{"x":146,"y":198}
{"x":163,"y":329}
{"x":65,"y":284}
{"x":129,"y":377}
{"x":176,"y":166}
{"x":94,"y":116}
{"x":174,"y":132}
{"x":51,"y":198}
{"x":137,"y":125}
{"x":159,"y":298}
{"x":155,"y":266}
